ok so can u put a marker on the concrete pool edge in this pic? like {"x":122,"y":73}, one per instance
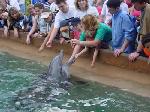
{"x":105,"y":56}
{"x":129,"y":80}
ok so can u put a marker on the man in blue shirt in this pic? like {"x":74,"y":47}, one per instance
{"x":123,"y":29}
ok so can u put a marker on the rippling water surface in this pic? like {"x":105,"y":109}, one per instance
{"x":18,"y":75}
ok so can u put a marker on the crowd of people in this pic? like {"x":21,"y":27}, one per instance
{"x":119,"y":25}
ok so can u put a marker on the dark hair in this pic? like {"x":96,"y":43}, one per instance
{"x":39,"y":5}
{"x":13,"y":10}
{"x":146,"y":39}
{"x":113,"y":3}
{"x":60,"y":1}
{"x":140,"y":1}
{"x":77,"y":5}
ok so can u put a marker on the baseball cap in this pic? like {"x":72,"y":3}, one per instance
{"x":45,"y":15}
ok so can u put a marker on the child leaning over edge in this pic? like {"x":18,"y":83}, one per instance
{"x":47,"y":15}
{"x":36,"y":21}
{"x":94,"y":34}
{"x":16,"y":21}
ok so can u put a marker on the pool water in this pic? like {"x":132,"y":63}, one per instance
{"x":18,"y":74}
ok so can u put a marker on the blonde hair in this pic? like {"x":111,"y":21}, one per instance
{"x":89,"y":22}
{"x":77,"y":5}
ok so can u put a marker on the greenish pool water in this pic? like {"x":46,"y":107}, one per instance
{"x":17,"y":74}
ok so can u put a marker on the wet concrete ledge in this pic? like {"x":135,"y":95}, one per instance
{"x":105,"y":56}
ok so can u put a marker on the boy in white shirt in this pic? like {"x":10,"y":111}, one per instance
{"x":65,"y":12}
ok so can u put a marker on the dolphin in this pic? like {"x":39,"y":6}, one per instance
{"x":49,"y":85}
{"x":56,"y":70}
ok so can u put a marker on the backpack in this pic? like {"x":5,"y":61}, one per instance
{"x":70,"y":22}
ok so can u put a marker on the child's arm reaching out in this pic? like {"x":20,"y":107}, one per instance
{"x":81,"y":52}
{"x":94,"y":57}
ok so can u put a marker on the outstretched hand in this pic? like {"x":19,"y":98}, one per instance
{"x":75,"y":41}
{"x":28,"y":41}
{"x":134,"y":56}
{"x":117,"y":52}
{"x":49,"y":44}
